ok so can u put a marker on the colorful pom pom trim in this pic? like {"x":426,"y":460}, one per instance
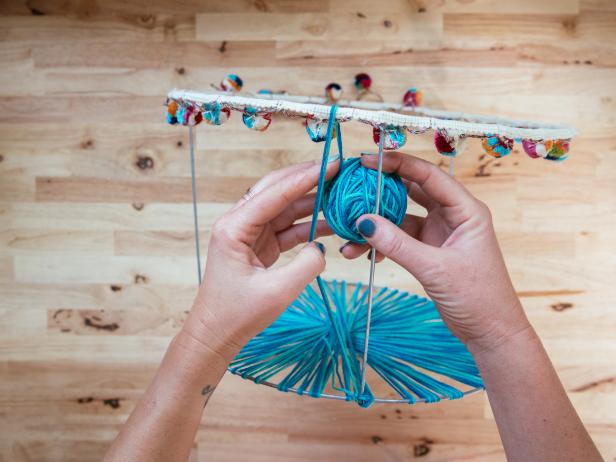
{"x":448,"y":145}
{"x":172,"y":109}
{"x":497,"y":146}
{"x":412,"y":98}
{"x":363,"y":82}
{"x":232,"y":83}
{"x":552,"y":150}
{"x":317,"y":129}
{"x":394,"y":137}
{"x":215,"y":114}
{"x":333,"y":92}
{"x":451,"y":129}
{"x":255,"y":121}
{"x":189,"y":115}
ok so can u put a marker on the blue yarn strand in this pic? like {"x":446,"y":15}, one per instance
{"x":324,"y":160}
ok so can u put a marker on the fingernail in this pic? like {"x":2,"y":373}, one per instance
{"x":368,"y":154}
{"x":320,"y":246}
{"x":342,"y":247}
{"x":366,"y":227}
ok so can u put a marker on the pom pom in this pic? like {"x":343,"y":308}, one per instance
{"x":497,"y":146}
{"x":363,"y":82}
{"x":448,"y":145}
{"x":231,"y":83}
{"x":552,"y":150}
{"x":215,"y":114}
{"x":189,"y":115}
{"x":172,"y":109}
{"x":317,"y":129}
{"x":559,"y":150}
{"x":395,"y":137}
{"x":352,"y":193}
{"x":412,"y":98}
{"x":333,"y":92}
{"x":255,"y":121}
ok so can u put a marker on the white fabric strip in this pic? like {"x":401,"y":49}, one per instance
{"x":377,"y":114}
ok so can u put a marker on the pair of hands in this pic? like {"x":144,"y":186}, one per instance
{"x":452,"y":251}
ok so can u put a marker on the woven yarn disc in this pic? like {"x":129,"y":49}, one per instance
{"x":308,"y":351}
{"x":352,"y":193}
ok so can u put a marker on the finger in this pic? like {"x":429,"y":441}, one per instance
{"x":271,"y":201}
{"x":411,"y":224}
{"x":286,"y":282}
{"x":352,"y":250}
{"x":301,"y":208}
{"x":435,"y":183}
{"x":299,"y":233}
{"x":272,"y":178}
{"x":419,"y":196}
{"x":395,"y":244}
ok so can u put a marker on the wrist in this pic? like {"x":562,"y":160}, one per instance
{"x":502,"y":350}
{"x":498,"y":326}
{"x":201,"y":334}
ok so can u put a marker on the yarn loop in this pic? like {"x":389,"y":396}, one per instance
{"x":352,"y":194}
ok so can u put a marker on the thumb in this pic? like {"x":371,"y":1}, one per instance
{"x":413,"y":255}
{"x":292,"y":278}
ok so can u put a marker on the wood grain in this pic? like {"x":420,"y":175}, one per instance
{"x":97,"y":264}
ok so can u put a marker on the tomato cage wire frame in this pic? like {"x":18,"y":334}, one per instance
{"x":380,"y":116}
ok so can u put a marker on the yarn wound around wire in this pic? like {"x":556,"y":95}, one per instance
{"x":351,"y":194}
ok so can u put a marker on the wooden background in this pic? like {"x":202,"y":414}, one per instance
{"x":97,"y":260}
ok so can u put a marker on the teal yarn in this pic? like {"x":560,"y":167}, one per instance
{"x":311,"y":351}
{"x":352,"y":193}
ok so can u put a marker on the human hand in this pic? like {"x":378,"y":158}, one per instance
{"x":453,"y":253}
{"x":240,"y":294}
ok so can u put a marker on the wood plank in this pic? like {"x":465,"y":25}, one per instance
{"x":381,"y":53}
{"x":572,"y":40}
{"x":84,"y":189}
{"x":137,"y":216}
{"x":185,"y":7}
{"x":133,"y":295}
{"x":114,"y":322}
{"x":140,"y":54}
{"x":105,"y":270}
{"x":6,"y":269}
{"x":148,"y":27}
{"x":157,"y":242}
{"x":417,"y":30}
{"x":35,"y":242}
{"x":458,"y":6}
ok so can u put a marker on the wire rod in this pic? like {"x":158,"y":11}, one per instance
{"x":377,"y":210}
{"x":191,"y":144}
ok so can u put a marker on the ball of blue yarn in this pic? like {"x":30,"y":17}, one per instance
{"x":352,"y":193}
